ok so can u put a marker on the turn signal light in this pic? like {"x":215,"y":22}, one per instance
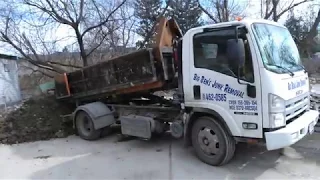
{"x":247,"y":125}
{"x":238,"y":18}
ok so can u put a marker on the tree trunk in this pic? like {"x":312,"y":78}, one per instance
{"x":312,"y":34}
{"x":313,"y":31}
{"x":81,"y":46}
{"x":226,"y":10}
{"x":274,"y":10}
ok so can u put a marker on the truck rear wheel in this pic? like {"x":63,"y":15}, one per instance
{"x":85,"y":127}
{"x":212,"y":142}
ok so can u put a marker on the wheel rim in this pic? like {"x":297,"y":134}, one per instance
{"x":208,"y":141}
{"x":85,"y":125}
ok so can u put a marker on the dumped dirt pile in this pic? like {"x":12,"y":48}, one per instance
{"x":36,"y":119}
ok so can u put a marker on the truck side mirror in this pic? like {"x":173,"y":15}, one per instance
{"x":236,"y":52}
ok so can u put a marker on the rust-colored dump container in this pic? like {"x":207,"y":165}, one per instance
{"x":137,"y":71}
{"x":143,"y":70}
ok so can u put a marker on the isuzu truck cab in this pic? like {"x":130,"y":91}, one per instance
{"x":239,"y":81}
{"x":249,"y":74}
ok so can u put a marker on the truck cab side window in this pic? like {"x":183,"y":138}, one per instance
{"x":210,"y":53}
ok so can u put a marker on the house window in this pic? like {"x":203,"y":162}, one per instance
{"x":6,"y":67}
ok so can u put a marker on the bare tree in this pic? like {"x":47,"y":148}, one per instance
{"x":274,"y":9}
{"x":303,"y":27}
{"x":309,"y":42}
{"x":122,"y":32}
{"x":116,"y":37}
{"x":223,"y":10}
{"x":26,"y":22}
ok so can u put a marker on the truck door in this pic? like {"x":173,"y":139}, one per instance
{"x":213,"y":81}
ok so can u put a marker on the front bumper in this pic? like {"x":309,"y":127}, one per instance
{"x":293,"y":132}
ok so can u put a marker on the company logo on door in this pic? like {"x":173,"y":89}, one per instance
{"x":214,"y":84}
{"x":296,"y":84}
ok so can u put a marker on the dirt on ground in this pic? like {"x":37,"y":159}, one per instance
{"x":35,"y":119}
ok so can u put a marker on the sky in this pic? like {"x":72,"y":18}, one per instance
{"x":253,"y":11}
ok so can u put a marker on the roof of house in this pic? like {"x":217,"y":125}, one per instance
{"x":9,"y":57}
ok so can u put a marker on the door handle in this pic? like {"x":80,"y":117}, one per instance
{"x":196,"y":92}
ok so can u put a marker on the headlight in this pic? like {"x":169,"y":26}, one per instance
{"x":276,"y":104}
{"x":276,"y":111}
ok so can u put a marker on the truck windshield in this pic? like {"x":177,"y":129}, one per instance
{"x":277,"y":48}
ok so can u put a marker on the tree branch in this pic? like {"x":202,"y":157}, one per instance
{"x":290,"y":7}
{"x":36,"y":70}
{"x":99,"y":44}
{"x":103,"y":22}
{"x":81,"y":12}
{"x":313,"y":30}
{"x":129,"y":32}
{"x":27,"y":58}
{"x":52,"y":13}
{"x":207,"y":13}
{"x":67,"y":11}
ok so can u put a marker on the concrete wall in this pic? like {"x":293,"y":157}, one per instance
{"x":9,"y":82}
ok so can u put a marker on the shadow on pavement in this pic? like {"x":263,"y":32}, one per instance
{"x":162,"y":158}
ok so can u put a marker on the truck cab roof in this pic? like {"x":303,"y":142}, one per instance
{"x":245,"y":21}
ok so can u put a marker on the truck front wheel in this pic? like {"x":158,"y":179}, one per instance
{"x":85,"y":127}
{"x":212,"y":142}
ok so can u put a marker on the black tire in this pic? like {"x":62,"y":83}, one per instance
{"x":212,"y":133}
{"x":85,"y":127}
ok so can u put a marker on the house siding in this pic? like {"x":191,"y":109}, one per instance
{"x":9,"y":83}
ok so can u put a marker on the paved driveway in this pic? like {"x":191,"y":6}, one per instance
{"x":164,"y":158}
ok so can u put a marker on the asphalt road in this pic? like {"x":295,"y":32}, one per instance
{"x":163,"y":158}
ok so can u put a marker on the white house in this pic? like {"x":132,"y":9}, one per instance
{"x":9,"y":82}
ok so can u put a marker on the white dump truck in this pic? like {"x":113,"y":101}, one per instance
{"x":239,"y":81}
